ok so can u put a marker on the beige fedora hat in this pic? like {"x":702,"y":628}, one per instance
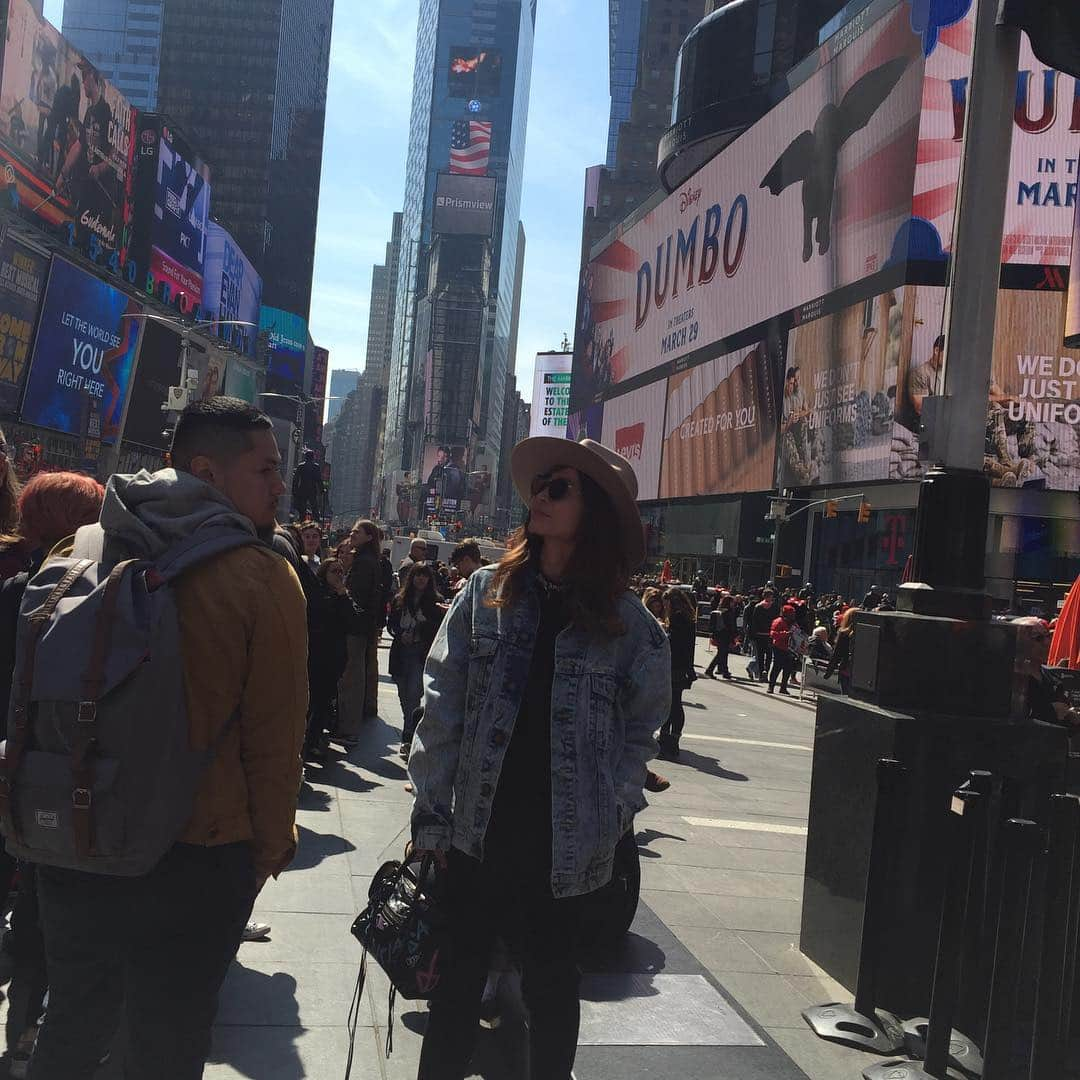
{"x":610,"y":471}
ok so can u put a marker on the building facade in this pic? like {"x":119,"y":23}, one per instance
{"x":470,"y":104}
{"x":247,"y":83}
{"x":342,"y":383}
{"x":123,"y":39}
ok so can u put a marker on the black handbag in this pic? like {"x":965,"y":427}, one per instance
{"x":405,"y":928}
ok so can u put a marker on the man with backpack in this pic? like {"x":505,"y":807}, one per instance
{"x":178,"y":714}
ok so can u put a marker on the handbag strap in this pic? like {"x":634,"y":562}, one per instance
{"x":353,"y":1019}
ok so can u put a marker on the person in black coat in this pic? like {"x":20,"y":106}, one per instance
{"x":722,"y":631}
{"x":679,"y":617}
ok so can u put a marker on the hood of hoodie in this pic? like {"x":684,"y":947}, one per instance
{"x":150,"y":512}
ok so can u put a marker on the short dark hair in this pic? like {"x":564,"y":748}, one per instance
{"x":467,"y":549}
{"x":217,"y":427}
{"x":939,"y":341}
{"x":791,"y":372}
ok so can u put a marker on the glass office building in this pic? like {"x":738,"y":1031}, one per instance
{"x":123,"y":39}
{"x":473,"y":67}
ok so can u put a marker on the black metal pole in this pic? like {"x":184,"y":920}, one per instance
{"x":888,"y":827}
{"x":1072,"y":944}
{"x":1020,"y":840}
{"x":954,"y":908}
{"x":976,"y":965}
{"x":1048,"y":1049}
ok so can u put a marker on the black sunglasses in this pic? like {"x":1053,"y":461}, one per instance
{"x":556,"y":487}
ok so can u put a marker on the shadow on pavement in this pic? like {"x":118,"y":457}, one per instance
{"x":314,"y":847}
{"x":647,"y":836}
{"x":709,"y":766}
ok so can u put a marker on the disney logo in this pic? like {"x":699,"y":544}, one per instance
{"x":687,"y":198}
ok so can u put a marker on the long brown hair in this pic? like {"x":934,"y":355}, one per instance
{"x":596,"y":576}
{"x":429,"y":598}
{"x":677,"y":605}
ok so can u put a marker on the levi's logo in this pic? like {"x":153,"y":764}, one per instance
{"x":629,"y":441}
{"x":47,"y":819}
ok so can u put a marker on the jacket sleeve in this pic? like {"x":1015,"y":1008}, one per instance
{"x":436,"y":746}
{"x":273,"y":710}
{"x":644,"y":702}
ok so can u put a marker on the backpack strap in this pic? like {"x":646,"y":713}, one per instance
{"x":16,"y":744}
{"x":93,"y":683}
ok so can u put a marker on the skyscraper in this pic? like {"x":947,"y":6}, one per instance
{"x":246,"y":80}
{"x":123,"y":38}
{"x":470,"y":103}
{"x":342,"y":383}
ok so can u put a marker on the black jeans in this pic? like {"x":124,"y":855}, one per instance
{"x":485,"y":900}
{"x":155,"y":948}
{"x":720,"y":660}
{"x":672,"y":728}
{"x":783,"y":665}
{"x":26,"y":992}
{"x":763,"y":651}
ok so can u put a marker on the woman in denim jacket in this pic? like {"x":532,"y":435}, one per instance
{"x":542,"y":690}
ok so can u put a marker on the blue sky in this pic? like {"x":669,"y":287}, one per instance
{"x":363,"y":178}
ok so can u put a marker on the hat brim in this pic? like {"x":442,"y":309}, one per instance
{"x":542,"y":453}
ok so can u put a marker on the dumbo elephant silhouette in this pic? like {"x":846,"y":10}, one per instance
{"x":813,"y":156}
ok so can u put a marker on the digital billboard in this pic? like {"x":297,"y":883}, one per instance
{"x":232,"y":289}
{"x":633,"y":426}
{"x":84,"y":353}
{"x":67,"y":135}
{"x":159,"y":368}
{"x":474,"y":71}
{"x":464,"y":205}
{"x":845,"y":383}
{"x":320,"y":368}
{"x":22,"y":283}
{"x":286,"y":345}
{"x":445,"y":478}
{"x":813,"y":197}
{"x":720,"y":427}
{"x":551,"y":394}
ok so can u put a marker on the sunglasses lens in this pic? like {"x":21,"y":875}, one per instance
{"x":558,"y":488}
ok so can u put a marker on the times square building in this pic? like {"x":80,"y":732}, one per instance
{"x":774,"y":323}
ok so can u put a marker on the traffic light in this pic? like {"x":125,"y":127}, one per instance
{"x":782,"y":570}
{"x":864,"y":513}
{"x":831,"y":508}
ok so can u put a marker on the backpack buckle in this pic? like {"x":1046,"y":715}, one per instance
{"x":87,"y":713}
{"x":81,"y":798}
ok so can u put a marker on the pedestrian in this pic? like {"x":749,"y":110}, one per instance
{"x":466,"y":560}
{"x":307,"y":487}
{"x":783,"y":659}
{"x":154,"y":949}
{"x":414,"y":621}
{"x":722,"y":633}
{"x":14,"y":552}
{"x":526,"y":780}
{"x":364,"y":583}
{"x":417,"y":553}
{"x":311,"y":538}
{"x":51,"y":507}
{"x":679,"y":620}
{"x":760,"y":621}
{"x":820,"y":650}
{"x":653,"y":599}
{"x":843,"y":656}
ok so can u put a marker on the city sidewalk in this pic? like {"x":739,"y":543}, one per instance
{"x":710,"y":982}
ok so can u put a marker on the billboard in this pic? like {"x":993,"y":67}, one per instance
{"x":839,"y":420}
{"x":1043,"y":167}
{"x":232,"y":289}
{"x":633,"y":426}
{"x":67,"y":135}
{"x":242,"y":381}
{"x":84,"y":353}
{"x":445,"y":474}
{"x":720,"y":427}
{"x":474,"y":71}
{"x":159,"y":368}
{"x":320,"y":365}
{"x":551,"y":394}
{"x":813,"y":197}
{"x":286,"y":347}
{"x":464,"y":205}
{"x":22,"y":282}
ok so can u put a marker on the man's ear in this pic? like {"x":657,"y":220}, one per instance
{"x":205,"y":469}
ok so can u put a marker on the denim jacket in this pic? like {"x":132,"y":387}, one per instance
{"x":609,"y":695}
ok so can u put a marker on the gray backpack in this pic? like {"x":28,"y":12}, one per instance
{"x":99,"y":772}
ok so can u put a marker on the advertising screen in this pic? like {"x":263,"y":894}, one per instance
{"x":474,"y":71}
{"x":633,"y":426}
{"x":720,"y":428}
{"x":839,"y":421}
{"x":241,"y":381}
{"x":159,"y":368}
{"x":445,"y":478}
{"x":320,"y":365}
{"x":286,"y":343}
{"x":232,"y":289}
{"x":1045,"y":146}
{"x":67,"y":135}
{"x":551,"y":394}
{"x":464,"y":205}
{"x":812,"y":198}
{"x":83,"y":355}
{"x":181,"y":215}
{"x":22,"y":282}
